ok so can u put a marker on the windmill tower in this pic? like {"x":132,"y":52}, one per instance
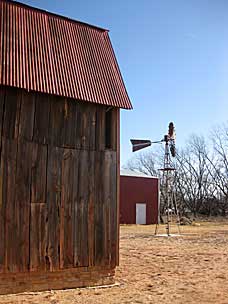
{"x":167,"y":181}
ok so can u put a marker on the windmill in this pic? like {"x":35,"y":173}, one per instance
{"x":167,"y":181}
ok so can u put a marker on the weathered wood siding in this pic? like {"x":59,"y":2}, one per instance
{"x":58,"y":184}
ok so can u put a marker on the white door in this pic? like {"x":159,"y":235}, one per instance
{"x":141,"y":213}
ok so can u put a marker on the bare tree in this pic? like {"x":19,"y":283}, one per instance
{"x":193,"y":180}
{"x":219,"y":165}
{"x":201,"y":178}
{"x":145,"y":162}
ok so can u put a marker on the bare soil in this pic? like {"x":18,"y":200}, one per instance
{"x":190,"y":268}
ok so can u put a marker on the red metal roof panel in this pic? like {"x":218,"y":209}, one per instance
{"x":47,"y":53}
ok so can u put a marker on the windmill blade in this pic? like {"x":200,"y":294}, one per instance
{"x":171,"y":129}
{"x":171,"y":132}
{"x":138,"y":144}
{"x":173,"y":149}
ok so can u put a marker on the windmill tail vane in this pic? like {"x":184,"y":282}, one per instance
{"x":138,"y":144}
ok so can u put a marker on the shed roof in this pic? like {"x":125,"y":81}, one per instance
{"x":48,"y":53}
{"x":133,"y":173}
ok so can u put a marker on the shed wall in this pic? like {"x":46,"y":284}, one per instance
{"x":135,"y":190}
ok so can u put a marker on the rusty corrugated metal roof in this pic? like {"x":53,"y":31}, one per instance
{"x":44,"y":52}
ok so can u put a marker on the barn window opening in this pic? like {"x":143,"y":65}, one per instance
{"x":108,"y":128}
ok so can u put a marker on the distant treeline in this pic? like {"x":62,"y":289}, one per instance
{"x":201,"y":176}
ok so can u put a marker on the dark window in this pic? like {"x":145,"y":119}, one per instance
{"x":108,"y":128}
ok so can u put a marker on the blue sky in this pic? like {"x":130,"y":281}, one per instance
{"x":173,"y":56}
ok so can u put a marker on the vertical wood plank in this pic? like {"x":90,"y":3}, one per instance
{"x":64,"y":123}
{"x":83,"y":129}
{"x":16,"y":210}
{"x":106,"y":227}
{"x":8,"y":207}
{"x":100,"y":128}
{"x":2,"y":201}
{"x":107,"y":186}
{"x":39,"y":173}
{"x":70,"y":123}
{"x":92,"y":127}
{"x":68,"y":199}
{"x":38,"y":237}
{"x":12,"y":113}
{"x":117,"y":165}
{"x":54,"y":173}
{"x":91,"y":207}
{"x":81,"y":213}
{"x":22,"y":203}
{"x":38,"y":228}
{"x":79,"y":127}
{"x":76,"y":220}
{"x":2,"y":224}
{"x":3,"y":206}
{"x":98,"y":210}
{"x":114,"y":130}
{"x":57,"y":117}
{"x":27,"y":112}
{"x":2,"y":101}
{"x":114,"y":212}
{"x":42,"y":115}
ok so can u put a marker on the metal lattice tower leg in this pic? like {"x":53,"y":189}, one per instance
{"x":170,"y":203}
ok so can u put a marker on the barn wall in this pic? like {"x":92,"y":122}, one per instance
{"x":135,"y":190}
{"x":58,"y":185}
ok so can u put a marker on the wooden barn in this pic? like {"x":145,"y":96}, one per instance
{"x":60,"y":95}
{"x":139,"y":198}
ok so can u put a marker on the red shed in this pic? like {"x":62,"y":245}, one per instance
{"x":139,"y":198}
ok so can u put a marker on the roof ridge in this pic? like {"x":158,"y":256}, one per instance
{"x":47,"y":53}
{"x":55,"y":15}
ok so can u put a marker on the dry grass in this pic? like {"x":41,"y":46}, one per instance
{"x":191,"y":268}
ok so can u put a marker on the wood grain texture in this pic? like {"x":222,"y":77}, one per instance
{"x":11,"y":113}
{"x":41,"y":120}
{"x":58,"y":185}
{"x":98,"y":210}
{"x":2,"y":201}
{"x":114,"y":209}
{"x":38,"y":227}
{"x":39,"y":173}
{"x":68,"y":201}
{"x":107,"y":206}
{"x":83,"y":126}
{"x":54,"y":186}
{"x":8,"y":208}
{"x":57,"y":119}
{"x":3,"y":204}
{"x":117,"y":164}
{"x":2,"y":104}
{"x":38,"y":237}
{"x":81,"y":212}
{"x":70,"y":124}
{"x":114,"y":129}
{"x":91,"y":207}
{"x":67,"y":278}
{"x":92,"y":127}
{"x":27,"y":112}
{"x":100,"y":128}
{"x":63,"y":123}
{"x":22,"y":205}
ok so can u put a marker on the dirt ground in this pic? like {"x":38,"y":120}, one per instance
{"x":191,"y":268}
